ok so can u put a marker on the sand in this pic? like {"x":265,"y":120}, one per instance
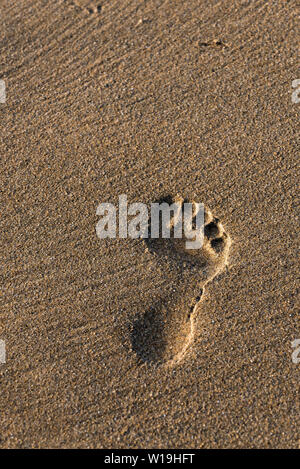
{"x":148,"y":99}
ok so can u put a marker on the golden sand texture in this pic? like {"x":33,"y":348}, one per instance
{"x":148,"y":99}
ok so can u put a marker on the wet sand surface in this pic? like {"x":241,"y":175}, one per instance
{"x":148,"y":99}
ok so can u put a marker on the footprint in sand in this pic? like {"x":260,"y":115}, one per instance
{"x":166,"y":330}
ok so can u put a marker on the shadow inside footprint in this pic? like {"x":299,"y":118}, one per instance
{"x":173,"y":249}
{"x":147,"y":336}
{"x":161,"y":333}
